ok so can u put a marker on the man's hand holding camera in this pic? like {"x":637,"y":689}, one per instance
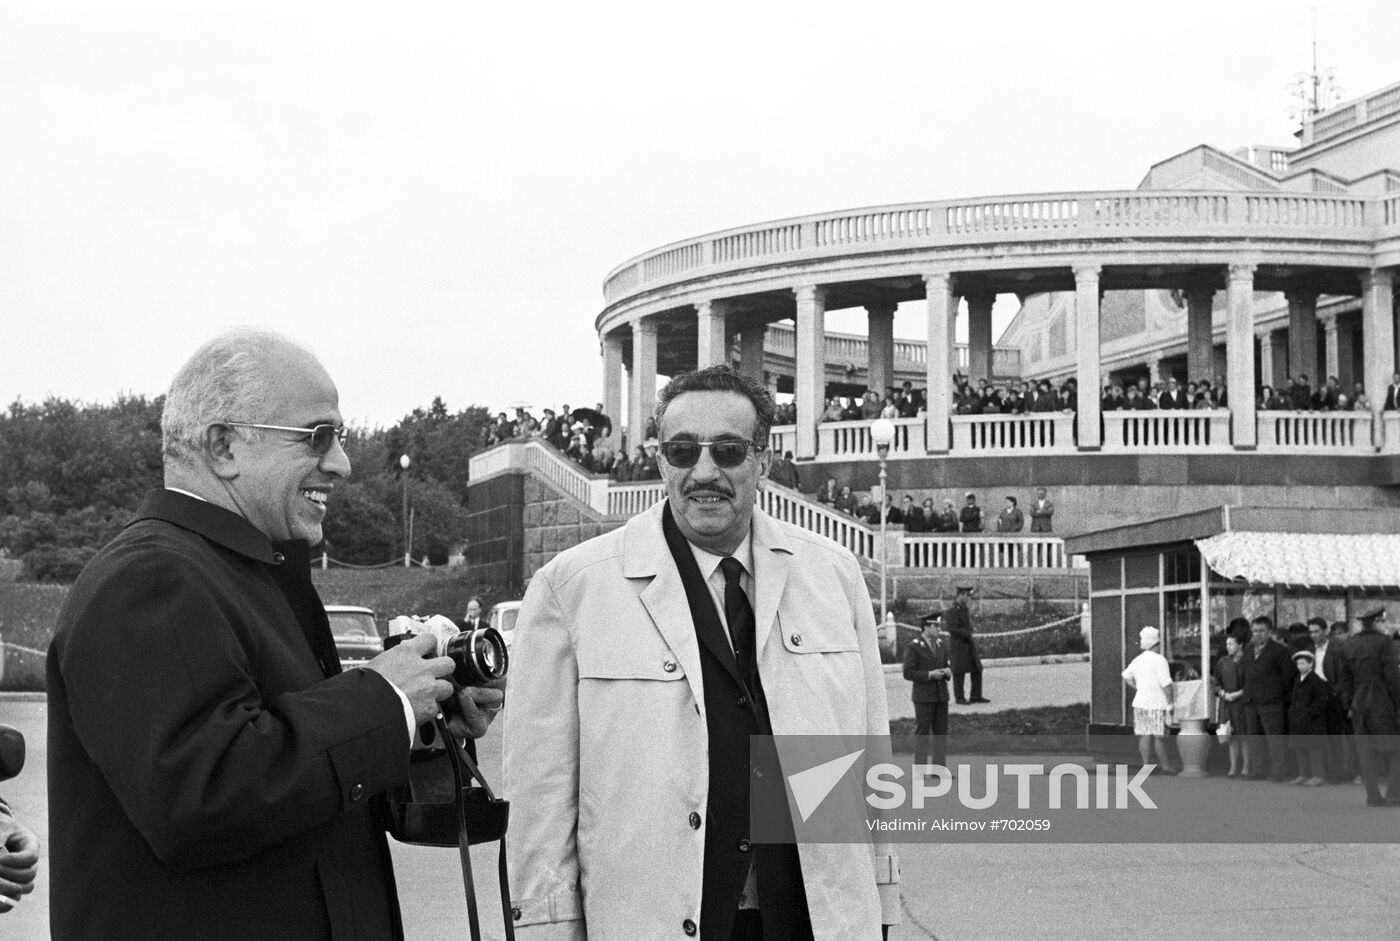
{"x":415,"y":668}
{"x":19,"y":859}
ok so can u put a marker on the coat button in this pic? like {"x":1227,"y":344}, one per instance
{"x":694,"y":820}
{"x":758,"y":773}
{"x":743,"y":702}
{"x":688,"y":927}
{"x":515,"y":913}
{"x":278,"y":558}
{"x":357,"y":792}
{"x":669,"y":666}
{"x":743,"y":846}
{"x":796,"y":640}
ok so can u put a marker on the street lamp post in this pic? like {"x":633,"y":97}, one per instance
{"x":407,"y":533}
{"x":882,"y":433}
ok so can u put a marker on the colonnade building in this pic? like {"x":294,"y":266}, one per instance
{"x":1250,"y":265}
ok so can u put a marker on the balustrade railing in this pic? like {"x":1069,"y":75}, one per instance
{"x":852,"y":439}
{"x":1168,"y":431}
{"x":1042,"y":432}
{"x":979,"y":552}
{"x":781,"y":439}
{"x":792,"y":507}
{"x":1315,"y":432}
{"x":631,"y":499}
{"x":1047,"y":216}
{"x":1390,"y":427}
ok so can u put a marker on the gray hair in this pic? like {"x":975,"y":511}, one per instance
{"x":722,"y":379}
{"x":225,"y":380}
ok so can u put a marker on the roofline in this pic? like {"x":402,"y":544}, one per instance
{"x":1264,"y":519}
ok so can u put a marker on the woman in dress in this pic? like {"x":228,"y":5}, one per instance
{"x":1229,"y":675}
{"x":1151,"y":676}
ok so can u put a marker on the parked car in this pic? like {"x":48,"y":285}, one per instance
{"x":503,"y":615}
{"x":356,"y":633}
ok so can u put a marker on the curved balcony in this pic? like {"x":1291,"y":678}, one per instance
{"x":1160,"y":227}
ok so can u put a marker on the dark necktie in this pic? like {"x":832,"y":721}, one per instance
{"x":739,"y":613}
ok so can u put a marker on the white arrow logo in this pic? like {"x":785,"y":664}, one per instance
{"x":811,"y":787}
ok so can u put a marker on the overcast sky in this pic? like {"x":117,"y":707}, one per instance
{"x":430,"y":194}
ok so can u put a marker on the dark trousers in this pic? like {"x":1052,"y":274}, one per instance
{"x":1372,"y":762}
{"x":1266,"y":723}
{"x":976,"y":683}
{"x":931,"y":733}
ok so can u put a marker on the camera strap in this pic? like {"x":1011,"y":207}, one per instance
{"x":464,"y":770}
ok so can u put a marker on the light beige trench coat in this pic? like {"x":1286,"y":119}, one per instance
{"x":605,"y":738}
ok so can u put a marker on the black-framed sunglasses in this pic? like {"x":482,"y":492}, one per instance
{"x":731,"y":452}
{"x":318,"y":436}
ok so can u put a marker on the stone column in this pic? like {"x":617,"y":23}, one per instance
{"x":1378,"y":338}
{"x":1266,"y":356}
{"x":751,"y":350}
{"x":642,"y":404}
{"x":1239,"y":356}
{"x":942,"y":315}
{"x":612,"y":381}
{"x":810,"y":365}
{"x":711,"y":348}
{"x":1086,"y":354}
{"x":1302,"y":334}
{"x":1200,"y":363}
{"x":979,"y":335}
{"x":880,"y":346}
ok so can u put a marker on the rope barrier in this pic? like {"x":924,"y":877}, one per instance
{"x":1024,"y":630}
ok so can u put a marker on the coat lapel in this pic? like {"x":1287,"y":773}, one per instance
{"x":772,"y":554}
{"x":646,"y":555}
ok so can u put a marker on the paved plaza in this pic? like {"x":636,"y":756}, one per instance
{"x":967,"y":891}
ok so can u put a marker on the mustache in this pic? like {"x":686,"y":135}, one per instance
{"x":708,"y":491}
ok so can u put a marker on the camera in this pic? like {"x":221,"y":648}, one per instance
{"x":479,"y":657}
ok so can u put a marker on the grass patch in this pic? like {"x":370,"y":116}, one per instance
{"x":1045,"y":730}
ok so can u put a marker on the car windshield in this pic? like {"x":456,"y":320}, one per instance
{"x":345,"y":623}
{"x":508,"y":617}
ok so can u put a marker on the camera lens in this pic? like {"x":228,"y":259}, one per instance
{"x":479,"y":657}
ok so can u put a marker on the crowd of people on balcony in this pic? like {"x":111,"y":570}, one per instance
{"x":583,"y":435}
{"x":926,"y":515}
{"x":1299,"y":396}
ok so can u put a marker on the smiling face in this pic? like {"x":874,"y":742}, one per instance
{"x":712,"y":505}
{"x":273,"y":478}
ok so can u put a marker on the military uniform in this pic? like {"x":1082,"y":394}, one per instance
{"x":930,"y":696}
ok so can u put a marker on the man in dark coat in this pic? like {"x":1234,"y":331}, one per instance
{"x":1042,"y":512}
{"x":1268,"y":675}
{"x":1371,"y":689}
{"x":212,"y":771}
{"x":1327,"y":655}
{"x":957,"y":621}
{"x":785,"y":472}
{"x":926,"y":666}
{"x":971,"y":515}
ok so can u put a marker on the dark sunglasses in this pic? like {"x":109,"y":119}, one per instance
{"x":730,"y":452}
{"x":319,"y":437}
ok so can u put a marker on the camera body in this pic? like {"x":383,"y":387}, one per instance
{"x":479,"y":657}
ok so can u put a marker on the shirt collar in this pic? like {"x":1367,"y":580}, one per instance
{"x":708,"y":561}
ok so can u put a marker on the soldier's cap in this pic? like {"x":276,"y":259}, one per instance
{"x":934,"y":618}
{"x":1376,"y":615}
{"x":966,"y":588}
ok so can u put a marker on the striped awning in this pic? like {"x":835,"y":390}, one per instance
{"x":1316,"y":560}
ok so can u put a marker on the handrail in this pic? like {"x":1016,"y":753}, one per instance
{"x":980,"y":551}
{"x":792,"y":507}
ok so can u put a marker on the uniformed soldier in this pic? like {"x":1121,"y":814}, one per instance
{"x":1371,"y":692}
{"x":926,"y":666}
